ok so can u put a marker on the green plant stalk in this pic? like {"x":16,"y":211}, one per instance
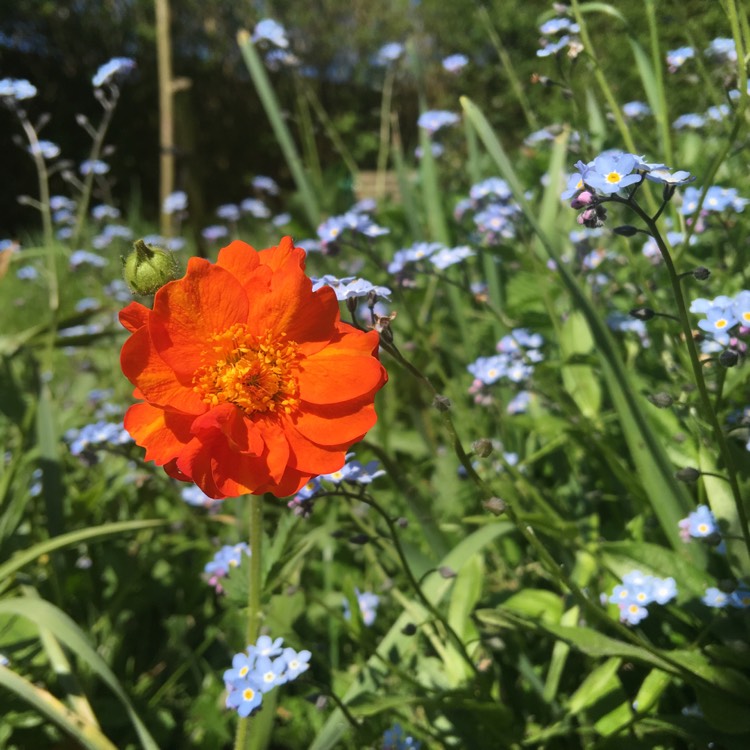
{"x":656,"y":60}
{"x":385,"y":132}
{"x":49,"y":235}
{"x":426,"y":603}
{"x":606,"y":90}
{"x":668,"y":499}
{"x":88,"y":183}
{"x":307,"y":136}
{"x":166,"y":111}
{"x":255,"y":584}
{"x":708,"y":411}
{"x":330,"y":129}
{"x":508,"y":68}
{"x":281,"y":131}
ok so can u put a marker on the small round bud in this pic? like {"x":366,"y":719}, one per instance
{"x":495,"y":505}
{"x":147,"y":269}
{"x":626,"y":230}
{"x":687,"y":475}
{"x":642,"y":313}
{"x":660,"y":400}
{"x":701,"y":273}
{"x":729,"y":358}
{"x":583,"y":199}
{"x":441,"y":403}
{"x":447,"y":572}
{"x":482,"y":447}
{"x":409,"y":629}
{"x":359,"y":539}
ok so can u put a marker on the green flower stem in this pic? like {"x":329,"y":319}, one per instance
{"x":708,"y":411}
{"x":255,"y":584}
{"x":555,"y":569}
{"x":429,"y":606}
{"x":96,"y":152}
{"x":281,"y":131}
{"x":43,"y":205}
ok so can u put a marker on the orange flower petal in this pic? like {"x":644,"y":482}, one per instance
{"x":226,"y":419}
{"x":285,"y":256}
{"x":163,"y":434}
{"x":310,"y":458}
{"x":240,"y":259}
{"x":188,"y":312}
{"x":134,"y":316}
{"x":337,"y":424}
{"x":342,"y":372}
{"x":156,"y":382}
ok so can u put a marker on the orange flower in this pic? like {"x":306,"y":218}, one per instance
{"x":250,"y":381}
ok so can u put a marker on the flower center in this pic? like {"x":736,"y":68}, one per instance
{"x":613,"y":177}
{"x":255,"y":373}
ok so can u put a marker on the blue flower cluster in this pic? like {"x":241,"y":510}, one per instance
{"x":260,"y":668}
{"x":717,"y":199}
{"x":353,"y":472}
{"x":494,"y":212}
{"x":723,"y":313}
{"x":455,"y":63}
{"x":388,"y":54}
{"x":368,"y":606}
{"x":356,"y":220}
{"x":16,"y":90}
{"x":227,"y":558}
{"x":558,"y":34}
{"x":739,"y":598}
{"x":613,"y":171}
{"x":637,"y":591}
{"x":437,"y":119}
{"x":268,"y":30}
{"x":700,"y":524}
{"x":96,"y":435}
{"x":117,"y":69}
{"x":396,"y":739}
{"x":439,"y":255}
{"x":517,"y":353}
{"x":350,"y":287}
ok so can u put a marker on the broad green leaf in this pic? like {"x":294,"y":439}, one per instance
{"x":668,"y":500}
{"x":721,"y":502}
{"x":71,"y":539}
{"x":67,"y":632}
{"x":652,"y":559}
{"x":395,"y":644}
{"x":598,"y":683}
{"x":581,"y":381}
{"x":87,"y":735}
{"x":537,"y":604}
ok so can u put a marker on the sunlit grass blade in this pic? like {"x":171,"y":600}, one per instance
{"x":668,"y":501}
{"x":46,"y":704}
{"x":44,"y":614}
{"x":281,"y":131}
{"x":72,"y":538}
{"x":395,"y":643}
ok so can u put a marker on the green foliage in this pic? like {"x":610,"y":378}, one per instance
{"x":495,"y":539}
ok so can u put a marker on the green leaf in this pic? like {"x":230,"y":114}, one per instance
{"x":652,"y":559}
{"x":598,"y":683}
{"x":668,"y":500}
{"x":581,"y":382}
{"x":537,"y":604}
{"x":67,"y":632}
{"x":395,"y":645}
{"x":87,"y":735}
{"x":71,"y":539}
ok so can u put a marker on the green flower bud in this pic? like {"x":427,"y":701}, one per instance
{"x":147,"y":269}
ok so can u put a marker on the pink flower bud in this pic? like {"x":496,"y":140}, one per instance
{"x":582,"y":199}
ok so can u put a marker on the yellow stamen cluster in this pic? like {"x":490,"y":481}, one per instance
{"x":255,"y":373}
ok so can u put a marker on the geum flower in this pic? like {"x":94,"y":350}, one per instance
{"x":250,"y":381}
